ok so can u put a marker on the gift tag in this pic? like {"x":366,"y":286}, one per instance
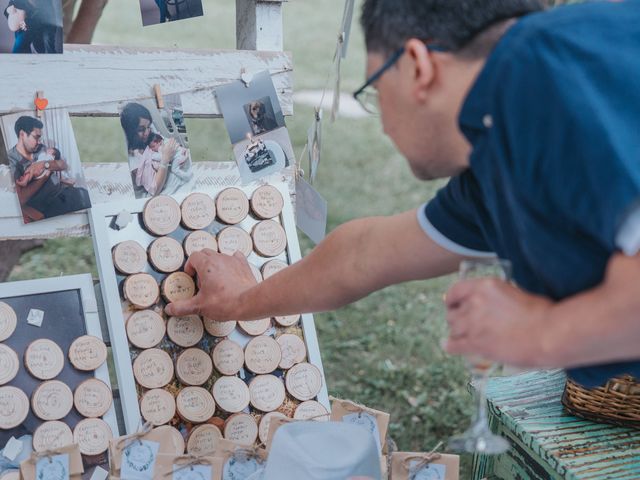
{"x":99,"y":473}
{"x":366,"y":421}
{"x":311,"y":211}
{"x":240,"y":468}
{"x":194,"y":472}
{"x":12,"y":449}
{"x":53,"y":468}
{"x":139,"y":460}
{"x":35,"y":317}
{"x":427,"y":472}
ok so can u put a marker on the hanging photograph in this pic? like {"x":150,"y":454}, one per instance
{"x":45,"y":164}
{"x":157,"y":146}
{"x":31,"y":26}
{"x":256,"y":127}
{"x":162,"y":11}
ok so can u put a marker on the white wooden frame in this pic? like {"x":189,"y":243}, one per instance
{"x":104,"y":241}
{"x":83,"y":283}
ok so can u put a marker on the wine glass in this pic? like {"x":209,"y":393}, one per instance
{"x":478,"y":438}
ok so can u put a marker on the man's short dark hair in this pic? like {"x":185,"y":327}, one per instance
{"x":451,"y":24}
{"x":27,"y":125}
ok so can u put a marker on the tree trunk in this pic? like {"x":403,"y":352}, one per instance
{"x":10,"y":253}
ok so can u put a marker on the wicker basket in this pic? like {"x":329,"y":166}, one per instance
{"x":617,"y":402}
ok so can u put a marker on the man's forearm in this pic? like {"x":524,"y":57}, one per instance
{"x":25,"y":193}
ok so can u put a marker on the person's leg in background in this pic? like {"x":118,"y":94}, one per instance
{"x":82,"y":28}
{"x":162,"y":5}
{"x":68,"y":7}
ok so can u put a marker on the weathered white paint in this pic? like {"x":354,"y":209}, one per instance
{"x":92,"y":80}
{"x":259,"y":25}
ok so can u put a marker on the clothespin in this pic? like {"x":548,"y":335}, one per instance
{"x":158,"y":94}
{"x":245,"y":77}
{"x":40,"y":103}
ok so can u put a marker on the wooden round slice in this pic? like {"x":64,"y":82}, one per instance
{"x":92,"y":398}
{"x":194,"y":367}
{"x":153,"y":368}
{"x":87,"y":353}
{"x":231,"y":394}
{"x":228,"y":357}
{"x":92,"y":436}
{"x":185,"y":331}
{"x":232,"y":206}
{"x":241,"y":428}
{"x":129,"y":257}
{"x":234,"y":239}
{"x":157,"y":406}
{"x":44,"y":359}
{"x":195,"y":404}
{"x":265,"y":422}
{"x":272,"y":267}
{"x":8,"y":321}
{"x":178,"y":286}
{"x":287,"y":320}
{"x":52,"y":400}
{"x":262,"y":355}
{"x":293,"y":350}
{"x":304,"y":381}
{"x":311,"y":410}
{"x":166,"y":431}
{"x":141,"y":290}
{"x":145,"y":329}
{"x":161,"y":215}
{"x":198,"y":211}
{"x":219,"y":329}
{"x":166,"y":254}
{"x":9,"y":364}
{"x":267,"y":393}
{"x":10,"y":475}
{"x":267,"y":202}
{"x":14,"y":407}
{"x":203,"y":439}
{"x":199,"y":240}
{"x":51,"y":436}
{"x":255,"y":327}
{"x":269,"y":238}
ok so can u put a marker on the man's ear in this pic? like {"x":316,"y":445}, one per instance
{"x":423,"y":66}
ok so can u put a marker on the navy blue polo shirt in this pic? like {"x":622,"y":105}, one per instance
{"x":554,"y":122}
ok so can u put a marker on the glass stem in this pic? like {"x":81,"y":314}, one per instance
{"x":481,"y":417}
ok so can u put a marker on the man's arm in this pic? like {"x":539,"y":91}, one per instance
{"x":58,"y":165}
{"x":356,"y":259}
{"x":25,"y":193}
{"x":504,"y":324}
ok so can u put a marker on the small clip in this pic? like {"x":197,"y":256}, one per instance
{"x":40,"y":103}
{"x":245,"y":77}
{"x":158,"y":94}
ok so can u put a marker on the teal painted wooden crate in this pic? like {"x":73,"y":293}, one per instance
{"x":547,"y":443}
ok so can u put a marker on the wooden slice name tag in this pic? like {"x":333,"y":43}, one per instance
{"x":161,"y":215}
{"x":195,"y":404}
{"x":194,"y":367}
{"x":293,"y":350}
{"x":255,"y":327}
{"x":141,"y":290}
{"x":241,"y":428}
{"x":166,"y":254}
{"x":272,"y":267}
{"x":262,"y":355}
{"x":14,"y":407}
{"x":304,"y":381}
{"x":203,"y":440}
{"x":145,"y":329}
{"x":234,"y":239}
{"x":92,"y":436}
{"x":311,"y":410}
{"x":219,"y":329}
{"x":267,"y":393}
{"x":44,"y":359}
{"x":185,"y":331}
{"x":231,"y":394}
{"x":288,"y":320}
{"x":198,"y":241}
{"x":52,"y":435}
{"x":228,"y":357}
{"x":198,"y":211}
{"x":87,"y":353}
{"x":269,"y":238}
{"x":232,"y":206}
{"x":8,"y":321}
{"x":92,"y":398}
{"x":166,"y":431}
{"x":265,"y":422}
{"x":52,"y":400}
{"x":9,"y":364}
{"x":129,"y":257}
{"x":153,"y":368}
{"x":157,"y":406}
{"x":267,"y":202}
{"x":178,"y":286}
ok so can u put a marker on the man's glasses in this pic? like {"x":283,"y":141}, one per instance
{"x":367,"y":95}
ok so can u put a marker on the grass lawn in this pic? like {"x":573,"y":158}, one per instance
{"x":382,"y":351}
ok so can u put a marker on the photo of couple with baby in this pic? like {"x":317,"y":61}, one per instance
{"x":32,"y":26}
{"x":157,"y":147}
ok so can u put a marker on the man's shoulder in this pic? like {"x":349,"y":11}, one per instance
{"x":14,"y":156}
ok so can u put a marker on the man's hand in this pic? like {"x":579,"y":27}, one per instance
{"x":497,"y":321}
{"x":222,"y":279}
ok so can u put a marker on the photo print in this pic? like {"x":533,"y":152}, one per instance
{"x":157,"y":146}
{"x":31,"y":26}
{"x":45,"y":164}
{"x":163,"y":11}
{"x":254,"y":120}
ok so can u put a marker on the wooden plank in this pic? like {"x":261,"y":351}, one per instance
{"x":259,"y":25}
{"x":92,"y":80}
{"x":108,"y":182}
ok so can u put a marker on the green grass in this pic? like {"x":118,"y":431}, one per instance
{"x":382,"y":351}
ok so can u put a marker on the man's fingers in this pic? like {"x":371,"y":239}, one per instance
{"x":180,"y":308}
{"x":458,"y":292}
{"x":196,"y":263}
